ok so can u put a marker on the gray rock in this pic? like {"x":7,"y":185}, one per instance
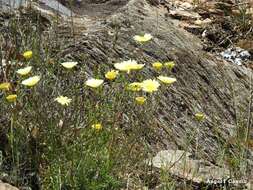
{"x":51,"y":4}
{"x":244,"y":54}
{"x":236,"y":55}
{"x":6,"y":186}
{"x":237,"y":61}
{"x":179,"y":163}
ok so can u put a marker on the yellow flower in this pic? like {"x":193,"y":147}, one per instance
{"x":199,"y":116}
{"x":31,"y":81}
{"x":135,"y":86}
{"x":167,"y":80}
{"x":24,"y":71}
{"x":111,"y":75}
{"x":137,"y":66}
{"x":5,"y":86}
{"x":94,"y":83}
{"x":63,"y":100}
{"x":11,"y":97}
{"x":28,"y":55}
{"x":140,"y":100}
{"x":125,"y":65}
{"x":144,"y":38}
{"x":69,"y":65}
{"x":157,"y":65}
{"x":129,"y":65}
{"x":170,"y":65}
{"x":150,"y":85}
{"x":97,"y":126}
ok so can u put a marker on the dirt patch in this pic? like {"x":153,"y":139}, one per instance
{"x":95,"y":8}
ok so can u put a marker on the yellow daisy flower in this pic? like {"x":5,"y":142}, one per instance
{"x":129,"y":65}
{"x":157,"y":65}
{"x":63,"y":100}
{"x":28,"y":55}
{"x":124,"y":66}
{"x":199,"y":116}
{"x":144,"y":38}
{"x":170,"y":65}
{"x":5,"y":86}
{"x":140,"y":100}
{"x":135,"y":86}
{"x":69,"y":65}
{"x":11,"y":98}
{"x":111,"y":75}
{"x":137,"y":66}
{"x":24,"y":71}
{"x":31,"y":81}
{"x":97,"y":126}
{"x":167,"y":80}
{"x":150,"y":85}
{"x":94,"y":83}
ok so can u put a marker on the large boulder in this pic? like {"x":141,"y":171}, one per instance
{"x":205,"y":83}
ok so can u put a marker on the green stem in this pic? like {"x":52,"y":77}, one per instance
{"x":12,"y":138}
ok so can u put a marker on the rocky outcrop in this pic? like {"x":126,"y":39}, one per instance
{"x":205,"y":84}
{"x":6,"y":186}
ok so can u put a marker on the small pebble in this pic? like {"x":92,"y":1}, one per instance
{"x":236,"y":55}
{"x":238,"y":61}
